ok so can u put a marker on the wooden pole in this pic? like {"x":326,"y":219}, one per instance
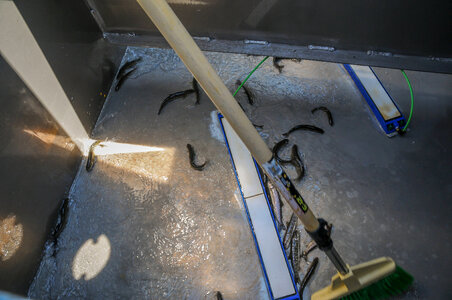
{"x":180,"y":40}
{"x":184,"y":45}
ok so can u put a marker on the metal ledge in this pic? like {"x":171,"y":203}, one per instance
{"x":310,"y":52}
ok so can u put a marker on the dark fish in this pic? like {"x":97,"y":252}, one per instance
{"x":311,"y":246}
{"x":304,"y":127}
{"x":276,"y":149}
{"x":248,"y":93}
{"x":298,"y":167}
{"x":308,"y":275}
{"x":270,"y":200}
{"x":62,"y":219}
{"x":295,"y":159}
{"x":263,"y":176}
{"x":219,"y":296}
{"x":297,"y":162}
{"x":265,"y":183}
{"x":196,"y":89}
{"x":241,"y":106}
{"x":328,"y":113}
{"x":276,"y":61}
{"x":290,"y":229}
{"x":91,"y":156}
{"x":265,"y":179}
{"x":60,"y":224}
{"x":174,"y":96}
{"x":127,"y":66}
{"x":123,"y":79}
{"x":295,"y":154}
{"x":295,"y":255}
{"x":255,"y":125}
{"x":258,"y":126}
{"x":192,"y":155}
{"x":277,"y":206}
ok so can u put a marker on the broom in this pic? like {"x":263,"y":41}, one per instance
{"x":375,"y":279}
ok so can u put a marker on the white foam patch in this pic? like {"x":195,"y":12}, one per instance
{"x":215,"y":128}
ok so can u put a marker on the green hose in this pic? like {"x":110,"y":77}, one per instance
{"x":412,"y":100}
{"x":403,"y":72}
{"x":249,"y":75}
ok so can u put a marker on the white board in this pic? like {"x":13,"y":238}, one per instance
{"x":264,"y":230}
{"x":376,"y":92}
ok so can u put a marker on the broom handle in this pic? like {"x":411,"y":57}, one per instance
{"x":180,"y":40}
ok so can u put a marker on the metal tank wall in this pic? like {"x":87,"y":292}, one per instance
{"x":38,"y":161}
{"x":397,"y":34}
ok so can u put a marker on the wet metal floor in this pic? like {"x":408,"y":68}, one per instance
{"x":144,"y":224}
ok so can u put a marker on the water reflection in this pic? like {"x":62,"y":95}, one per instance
{"x":108,"y":148}
{"x":11,"y":235}
{"x":50,"y":138}
{"x":91,"y":258}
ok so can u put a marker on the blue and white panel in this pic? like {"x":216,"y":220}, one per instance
{"x":383,"y":106}
{"x":277,"y":273}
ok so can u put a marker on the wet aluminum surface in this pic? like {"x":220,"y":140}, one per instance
{"x":174,"y":232}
